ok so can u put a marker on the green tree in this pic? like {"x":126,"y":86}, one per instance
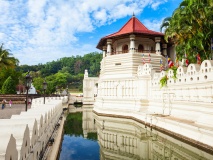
{"x":65,"y":69}
{"x":50,"y":87}
{"x":78,"y":66}
{"x":38,"y":84}
{"x":63,"y":72}
{"x":5,"y":73}
{"x":190,"y":29}
{"x":9,"y":86}
{"x":61,"y":79}
{"x":6,"y":61}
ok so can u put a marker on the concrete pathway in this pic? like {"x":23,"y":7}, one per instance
{"x":7,"y":112}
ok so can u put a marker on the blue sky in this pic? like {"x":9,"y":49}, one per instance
{"x":40,"y":31}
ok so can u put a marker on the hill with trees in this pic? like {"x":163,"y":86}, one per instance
{"x":63,"y":73}
{"x":60,"y":74}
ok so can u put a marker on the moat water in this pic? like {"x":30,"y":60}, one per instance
{"x":88,"y":136}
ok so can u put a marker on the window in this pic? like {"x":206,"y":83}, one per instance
{"x":125,"y":48}
{"x":140,"y":48}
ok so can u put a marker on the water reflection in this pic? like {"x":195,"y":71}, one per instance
{"x":125,"y":139}
{"x":80,"y":137}
{"x":119,"y":139}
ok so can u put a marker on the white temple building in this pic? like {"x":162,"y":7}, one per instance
{"x":32,"y":90}
{"x":129,"y":85}
{"x":121,"y":83}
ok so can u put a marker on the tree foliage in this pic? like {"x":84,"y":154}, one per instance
{"x":5,"y":73}
{"x":9,"y":86}
{"x":190,"y":28}
{"x":6,"y":60}
{"x":73,"y":65}
{"x":63,"y":72}
{"x":38,"y":84}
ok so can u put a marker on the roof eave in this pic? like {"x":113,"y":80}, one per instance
{"x":101,"y":41}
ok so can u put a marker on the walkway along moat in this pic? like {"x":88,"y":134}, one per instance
{"x":119,"y":139}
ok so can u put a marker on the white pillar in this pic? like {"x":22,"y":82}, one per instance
{"x":109,"y":47}
{"x":132,"y":43}
{"x":157,"y":47}
{"x":164,"y":49}
{"x":104,"y":51}
{"x":85,"y":73}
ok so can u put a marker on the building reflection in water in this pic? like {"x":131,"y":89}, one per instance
{"x":126,"y":139}
{"x":88,"y":124}
{"x":80,"y":121}
{"x":123,"y":139}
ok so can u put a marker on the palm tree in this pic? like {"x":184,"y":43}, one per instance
{"x":190,"y":28}
{"x":6,"y":61}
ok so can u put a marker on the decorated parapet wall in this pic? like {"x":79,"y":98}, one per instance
{"x":192,"y":83}
{"x":26,"y":136}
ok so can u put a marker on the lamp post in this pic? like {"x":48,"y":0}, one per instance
{"x":56,"y":90}
{"x":27,"y":85}
{"x":44,"y":87}
{"x":211,"y":48}
{"x":61,"y":92}
{"x":67,"y":90}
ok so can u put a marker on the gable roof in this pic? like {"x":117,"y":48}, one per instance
{"x":131,"y":27}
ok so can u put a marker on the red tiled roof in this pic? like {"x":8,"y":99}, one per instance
{"x":134,"y":26}
{"x":131,"y":27}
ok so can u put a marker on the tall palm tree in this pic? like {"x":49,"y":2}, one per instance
{"x":190,"y":28}
{"x":6,"y":61}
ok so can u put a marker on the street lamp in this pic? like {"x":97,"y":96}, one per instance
{"x":61,"y":91}
{"x":57,"y":90}
{"x":67,"y":90}
{"x":27,"y":85}
{"x":44,"y":87}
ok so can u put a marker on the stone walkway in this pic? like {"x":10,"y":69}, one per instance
{"x":7,"y":112}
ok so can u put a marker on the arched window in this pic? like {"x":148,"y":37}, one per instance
{"x":140,"y":48}
{"x":125,"y":48}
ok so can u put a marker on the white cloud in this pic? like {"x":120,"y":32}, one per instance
{"x":153,"y":25}
{"x":38,"y":31}
{"x":155,"y":4}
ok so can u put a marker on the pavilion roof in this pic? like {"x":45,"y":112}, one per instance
{"x":133,"y":26}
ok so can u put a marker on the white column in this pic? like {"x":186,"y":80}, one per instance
{"x":157,"y":47}
{"x":85,"y":73}
{"x":164,"y":49}
{"x":132,"y":43}
{"x":104,"y":51}
{"x":109,"y":47}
